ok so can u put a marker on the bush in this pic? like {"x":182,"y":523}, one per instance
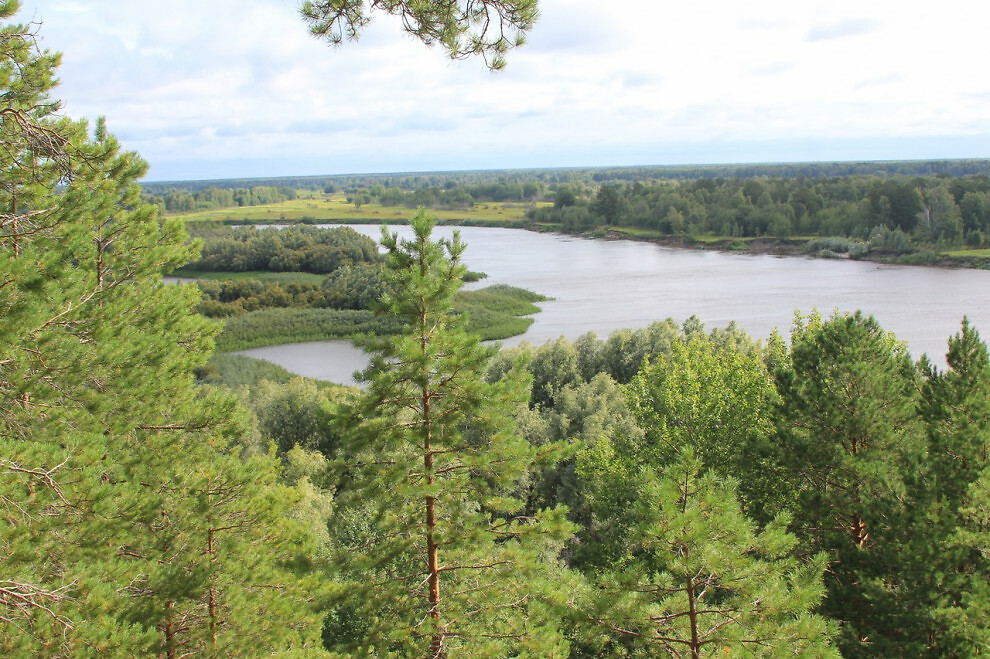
{"x":893,"y":241}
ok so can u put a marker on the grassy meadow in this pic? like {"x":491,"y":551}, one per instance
{"x":319,"y":207}
{"x":494,"y":313}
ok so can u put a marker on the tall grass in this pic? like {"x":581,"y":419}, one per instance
{"x":493,"y":313}
{"x":276,"y":326}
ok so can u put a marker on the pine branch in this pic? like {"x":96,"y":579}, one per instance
{"x":18,"y":600}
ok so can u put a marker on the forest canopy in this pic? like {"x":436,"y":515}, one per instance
{"x":671,"y":490}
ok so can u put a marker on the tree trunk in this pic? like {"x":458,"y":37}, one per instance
{"x":693,"y":619}
{"x":212,"y":595}
{"x":432,"y":555}
{"x":168,"y":631}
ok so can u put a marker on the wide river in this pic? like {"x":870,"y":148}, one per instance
{"x":603,"y":285}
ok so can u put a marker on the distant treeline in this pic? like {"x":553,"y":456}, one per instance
{"x":887,"y":207}
{"x":589,"y":175}
{"x":882,"y":213}
{"x":450,"y":195}
{"x":177,"y":200}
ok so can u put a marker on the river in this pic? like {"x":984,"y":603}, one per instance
{"x":603,"y":285}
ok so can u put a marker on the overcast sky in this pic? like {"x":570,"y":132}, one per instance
{"x":236,"y":88}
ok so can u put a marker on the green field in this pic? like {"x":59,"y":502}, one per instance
{"x":969,"y":253}
{"x":318,"y":207}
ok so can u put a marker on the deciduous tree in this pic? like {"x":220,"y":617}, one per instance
{"x":718,"y":401}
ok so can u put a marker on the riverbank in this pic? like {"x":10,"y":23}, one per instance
{"x":798,"y":247}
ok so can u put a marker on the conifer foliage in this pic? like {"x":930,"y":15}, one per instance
{"x":698,"y":580}
{"x":130,"y":525}
{"x":438,"y":559}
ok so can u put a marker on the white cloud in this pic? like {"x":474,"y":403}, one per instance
{"x":849,"y":27}
{"x":194,"y":82}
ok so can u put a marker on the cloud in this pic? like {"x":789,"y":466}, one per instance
{"x":761,"y":23}
{"x":880,"y":81}
{"x":772,"y":69}
{"x":531,"y":113}
{"x":853,"y":27}
{"x":640,"y":79}
{"x":233,"y":130}
{"x":406,"y":126}
{"x":319,"y":126}
{"x":232,"y":81}
{"x":575,"y":28}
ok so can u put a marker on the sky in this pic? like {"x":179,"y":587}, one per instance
{"x":238,"y":88}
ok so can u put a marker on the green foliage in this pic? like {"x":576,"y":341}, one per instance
{"x":291,"y":249}
{"x":236,"y":296}
{"x":851,"y":438}
{"x":835,"y":246}
{"x":696,"y":578}
{"x":178,"y":200}
{"x":488,"y":28}
{"x":276,"y":326}
{"x":949,"y":565}
{"x":959,"y":621}
{"x":354,"y":287}
{"x":295,"y":414}
{"x":883,"y":239}
{"x":491,"y":315}
{"x":844,"y":211}
{"x":431,"y":470}
{"x":583,"y":414}
{"x":497,"y":312}
{"x":208,"y":277}
{"x":274,"y":308}
{"x":132,"y":527}
{"x":554,"y":366}
{"x":717,"y":401}
{"x":235,"y":371}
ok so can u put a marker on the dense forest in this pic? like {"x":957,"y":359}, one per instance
{"x":884,"y":214}
{"x":890,"y":214}
{"x":676,"y":490}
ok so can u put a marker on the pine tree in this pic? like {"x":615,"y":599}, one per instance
{"x":697,"y":579}
{"x":437,"y":559}
{"x":462,"y":28}
{"x":958,"y":621}
{"x":949,"y":549}
{"x":850,"y":436}
{"x":129,"y":519}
